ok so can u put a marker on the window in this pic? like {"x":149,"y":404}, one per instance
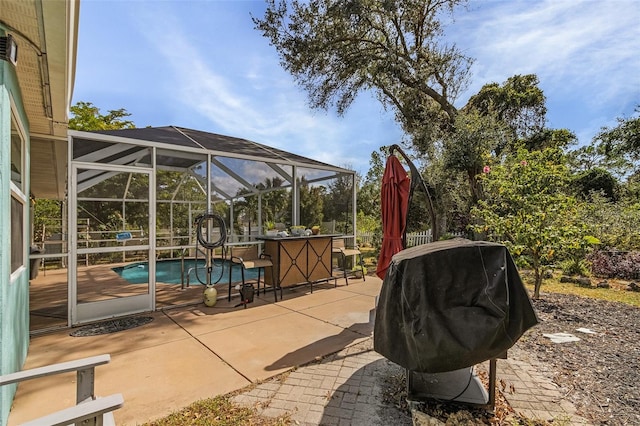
{"x":17,"y":234}
{"x":16,"y":157}
{"x":18,"y":198}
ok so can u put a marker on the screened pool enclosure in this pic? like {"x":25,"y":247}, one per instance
{"x":133,"y":196}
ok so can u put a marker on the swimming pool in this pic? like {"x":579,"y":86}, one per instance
{"x":168,"y":271}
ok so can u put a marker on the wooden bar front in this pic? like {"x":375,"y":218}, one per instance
{"x":299,"y":260}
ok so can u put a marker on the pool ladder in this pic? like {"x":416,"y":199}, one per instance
{"x":182,"y":256}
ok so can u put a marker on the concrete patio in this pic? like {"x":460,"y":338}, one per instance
{"x":190,"y":353}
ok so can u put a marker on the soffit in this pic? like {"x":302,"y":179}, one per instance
{"x":46,"y":34}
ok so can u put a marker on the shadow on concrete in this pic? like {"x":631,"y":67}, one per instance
{"x":322,"y":347}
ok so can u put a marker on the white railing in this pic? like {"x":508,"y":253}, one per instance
{"x":89,"y":409}
{"x":413,"y":238}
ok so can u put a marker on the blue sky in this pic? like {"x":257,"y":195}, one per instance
{"x":201,"y":64}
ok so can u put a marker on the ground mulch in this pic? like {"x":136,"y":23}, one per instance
{"x":600,"y":374}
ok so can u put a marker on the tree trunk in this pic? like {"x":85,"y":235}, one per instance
{"x":538,"y":277}
{"x":536,"y":289}
{"x":475,"y":187}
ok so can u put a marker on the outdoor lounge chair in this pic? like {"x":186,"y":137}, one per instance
{"x":342,"y":252}
{"x":250,"y":258}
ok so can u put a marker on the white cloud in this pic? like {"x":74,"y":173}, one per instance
{"x":204,"y":66}
{"x":588,"y":46}
{"x":261,"y":104}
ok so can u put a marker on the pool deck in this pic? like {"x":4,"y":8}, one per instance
{"x":49,"y":290}
{"x":190,"y":353}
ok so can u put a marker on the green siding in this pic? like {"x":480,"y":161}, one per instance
{"x":14,"y":297}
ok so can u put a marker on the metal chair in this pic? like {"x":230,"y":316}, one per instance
{"x":342,"y":251}
{"x":250,"y":258}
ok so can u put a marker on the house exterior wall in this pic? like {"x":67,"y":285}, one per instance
{"x":14,"y":288}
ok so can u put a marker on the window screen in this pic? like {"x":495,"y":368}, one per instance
{"x":17,"y":237}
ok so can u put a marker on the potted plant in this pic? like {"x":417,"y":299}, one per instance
{"x":297,"y":230}
{"x":271,"y":228}
{"x":315,"y":230}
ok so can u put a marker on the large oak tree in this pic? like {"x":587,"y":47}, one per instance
{"x":397,"y":49}
{"x":336,"y":49}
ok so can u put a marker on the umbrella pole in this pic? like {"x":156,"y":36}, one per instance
{"x":416,"y":179}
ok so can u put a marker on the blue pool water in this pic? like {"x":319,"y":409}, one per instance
{"x":168,"y":271}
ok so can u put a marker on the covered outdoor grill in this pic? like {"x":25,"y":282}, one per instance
{"x":450,"y":305}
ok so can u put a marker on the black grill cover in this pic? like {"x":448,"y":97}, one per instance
{"x":450,"y":305}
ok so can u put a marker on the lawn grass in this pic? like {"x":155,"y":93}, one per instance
{"x":219,"y":411}
{"x":616,"y":293}
{"x":369,"y":257}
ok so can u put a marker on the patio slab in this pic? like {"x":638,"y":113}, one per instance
{"x":166,"y":378}
{"x":202,"y":319}
{"x":157,"y":367}
{"x":370,"y":287}
{"x":60,"y":346}
{"x":352,"y":313}
{"x":270,"y":346}
{"x":301,"y":298}
{"x":190,"y":353}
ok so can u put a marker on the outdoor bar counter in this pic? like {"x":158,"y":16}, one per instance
{"x":299,"y":259}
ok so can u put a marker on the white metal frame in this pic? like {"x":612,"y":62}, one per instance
{"x":133,"y":304}
{"x":19,"y":192}
{"x":89,"y":409}
{"x":92,"y":311}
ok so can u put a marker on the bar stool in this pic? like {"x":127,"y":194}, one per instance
{"x":343,"y":252}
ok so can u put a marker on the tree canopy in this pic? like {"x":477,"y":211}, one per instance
{"x":87,"y":117}
{"x":518,"y":103}
{"x":527,"y":207}
{"x":623,"y":140}
{"x":335,"y":49}
{"x":396,"y":48}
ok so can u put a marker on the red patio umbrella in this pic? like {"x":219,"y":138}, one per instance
{"x":394,"y":199}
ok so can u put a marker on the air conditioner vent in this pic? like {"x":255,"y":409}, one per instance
{"x":8,"y":49}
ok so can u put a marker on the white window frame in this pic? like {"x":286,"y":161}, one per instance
{"x":19,"y":194}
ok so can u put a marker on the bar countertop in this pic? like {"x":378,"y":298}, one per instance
{"x":295,"y":237}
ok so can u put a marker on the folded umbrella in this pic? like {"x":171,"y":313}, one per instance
{"x":394,"y":199}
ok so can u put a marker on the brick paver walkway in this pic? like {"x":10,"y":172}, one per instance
{"x":347,"y":389}
{"x":341,"y":389}
{"x":530,"y":393}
